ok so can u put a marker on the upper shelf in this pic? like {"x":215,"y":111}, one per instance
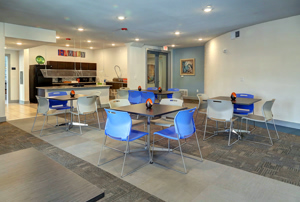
{"x":62,"y":73}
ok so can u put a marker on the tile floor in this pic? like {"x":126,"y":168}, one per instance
{"x":205,"y":181}
{"x":15,"y":111}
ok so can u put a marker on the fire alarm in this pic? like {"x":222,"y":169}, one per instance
{"x":68,"y":39}
{"x":125,"y":29}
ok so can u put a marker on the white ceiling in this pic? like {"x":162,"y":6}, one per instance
{"x":154,"y":21}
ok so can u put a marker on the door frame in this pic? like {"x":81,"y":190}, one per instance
{"x":8,"y":78}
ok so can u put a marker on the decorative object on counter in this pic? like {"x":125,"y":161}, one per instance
{"x":72,"y":93}
{"x":149,"y":103}
{"x":118,"y":72}
{"x":71,"y":53}
{"x":40,"y":59}
{"x":187,"y":66}
{"x":159,"y":89}
{"x":78,"y":80}
{"x":233,"y":96}
{"x":139,"y":88}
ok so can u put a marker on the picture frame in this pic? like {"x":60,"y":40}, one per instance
{"x":187,"y":67}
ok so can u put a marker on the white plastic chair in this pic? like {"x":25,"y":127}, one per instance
{"x":266,"y":117}
{"x":98,"y":100}
{"x":202,"y":106}
{"x":86,"y":105}
{"x":177,"y":95}
{"x":43,"y":108}
{"x":220,"y":111}
{"x":122,"y":93}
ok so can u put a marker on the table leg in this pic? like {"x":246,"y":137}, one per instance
{"x":71,"y":109}
{"x":148,"y":141}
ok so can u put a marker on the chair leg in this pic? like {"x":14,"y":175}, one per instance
{"x":230,"y":132}
{"x":275,"y":129}
{"x":56,"y":121}
{"x":153,"y":145}
{"x":102,"y":149}
{"x":34,"y":121}
{"x":205,"y":131}
{"x":182,"y":156}
{"x":43,"y":126}
{"x":198,"y":146}
{"x":168,"y":145}
{"x":271,"y":142}
{"x":127,"y":146}
{"x":205,"y":128}
{"x":79,"y":125}
{"x":98,"y":119}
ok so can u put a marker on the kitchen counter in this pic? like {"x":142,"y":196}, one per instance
{"x":86,"y":90}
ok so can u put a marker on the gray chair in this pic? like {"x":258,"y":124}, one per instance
{"x":220,"y":111}
{"x":122,"y":93}
{"x":43,"y":108}
{"x":267,"y":116}
{"x":202,"y":106}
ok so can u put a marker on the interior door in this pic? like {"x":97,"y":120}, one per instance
{"x":157,"y":69}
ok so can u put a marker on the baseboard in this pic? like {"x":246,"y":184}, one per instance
{"x":190,"y":98}
{"x":287,"y":124}
{"x":2,"y":119}
{"x":23,"y":102}
{"x":14,"y":101}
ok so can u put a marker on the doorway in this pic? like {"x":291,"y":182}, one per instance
{"x":158,"y":69}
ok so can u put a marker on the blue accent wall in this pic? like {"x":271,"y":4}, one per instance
{"x":192,"y":83}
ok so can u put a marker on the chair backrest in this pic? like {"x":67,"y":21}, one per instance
{"x":135,"y":96}
{"x":124,"y":88}
{"x":118,"y":124}
{"x":177,"y":94}
{"x":98,"y":94}
{"x":171,"y":101}
{"x":57,"y":102}
{"x":147,"y":95}
{"x":248,"y":108}
{"x":87,"y":104}
{"x":122,"y":94}
{"x":118,"y":103}
{"x":219,"y":109}
{"x":152,"y":88}
{"x":267,"y":109}
{"x":184,"y":123}
{"x":172,"y":95}
{"x":43,"y":105}
{"x":202,"y":101}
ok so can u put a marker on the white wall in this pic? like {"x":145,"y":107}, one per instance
{"x":106,"y":59}
{"x":50,"y":53}
{"x":2,"y":73}
{"x":14,"y":74}
{"x":24,"y":66}
{"x":267,"y":57}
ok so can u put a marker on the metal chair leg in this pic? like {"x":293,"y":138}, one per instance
{"x":205,"y":131}
{"x":230,"y":132}
{"x":98,"y":119}
{"x":34,"y":121}
{"x":153,"y":145}
{"x":182,"y":156}
{"x":125,"y":157}
{"x":43,"y":126}
{"x":79,"y":125}
{"x":198,"y":146}
{"x":275,"y":129}
{"x":103,"y":144}
{"x":271,"y":142}
{"x":168,"y":145}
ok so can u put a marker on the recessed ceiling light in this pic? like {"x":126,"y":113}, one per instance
{"x":113,"y":44}
{"x":89,"y":41}
{"x":121,"y":17}
{"x":67,"y":45}
{"x":200,"y":39}
{"x":137,"y":39}
{"x":57,"y":37}
{"x":177,"y":32}
{"x":207,"y":9}
{"x":19,"y":43}
{"x":173,"y":45}
{"x":5,"y":47}
{"x":91,"y":47}
{"x":80,"y":29}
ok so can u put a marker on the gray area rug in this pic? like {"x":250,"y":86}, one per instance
{"x":116,"y":189}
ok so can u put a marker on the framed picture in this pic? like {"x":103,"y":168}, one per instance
{"x":187,"y":66}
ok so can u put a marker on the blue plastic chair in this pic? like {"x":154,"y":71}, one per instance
{"x":172,"y":89}
{"x":243,"y":109}
{"x":152,"y":88}
{"x":146,"y":96}
{"x":118,"y":127}
{"x":183,"y":128}
{"x":134,"y":97}
{"x":57,"y":104}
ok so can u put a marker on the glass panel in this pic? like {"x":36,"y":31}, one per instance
{"x":162,"y":65}
{"x":150,"y":70}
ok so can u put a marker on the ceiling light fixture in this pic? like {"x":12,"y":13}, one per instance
{"x":67,"y":45}
{"x":207,"y":9}
{"x":177,"y":32}
{"x":173,"y":45}
{"x":5,"y":47}
{"x":137,"y":39}
{"x":89,"y":41}
{"x":91,"y":47}
{"x":113,"y":44}
{"x":19,"y":43}
{"x":200,"y":39}
{"x":80,"y":29}
{"x":121,"y":17}
{"x":57,"y":37}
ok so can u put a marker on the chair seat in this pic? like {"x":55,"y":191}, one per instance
{"x":60,"y":107}
{"x":170,"y":133}
{"x":134,"y":135}
{"x":163,"y":122}
{"x":137,"y":122}
{"x":223,"y":120}
{"x":53,"y":113}
{"x":241,"y":111}
{"x":253,"y":117}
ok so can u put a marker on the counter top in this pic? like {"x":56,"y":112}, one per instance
{"x":71,"y":87}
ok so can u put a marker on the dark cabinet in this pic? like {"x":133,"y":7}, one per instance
{"x":92,"y":66}
{"x":72,"y":65}
{"x":53,"y":64}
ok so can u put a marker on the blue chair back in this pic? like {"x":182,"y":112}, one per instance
{"x":118,"y":125}
{"x":152,"y":88}
{"x":53,"y":103}
{"x":147,"y":95}
{"x":184,"y":123}
{"x":172,"y":89}
{"x":243,"y":109}
{"x":135,"y":97}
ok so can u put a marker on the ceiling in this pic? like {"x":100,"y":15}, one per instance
{"x":153,"y":22}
